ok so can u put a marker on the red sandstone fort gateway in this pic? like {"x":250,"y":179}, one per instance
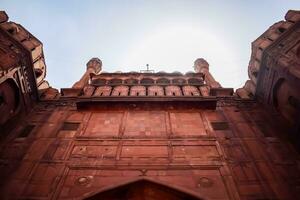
{"x":146,"y":135}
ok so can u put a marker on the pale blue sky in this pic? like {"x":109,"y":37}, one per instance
{"x":126,"y":35}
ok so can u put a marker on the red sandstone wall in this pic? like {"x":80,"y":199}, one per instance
{"x":247,"y":160}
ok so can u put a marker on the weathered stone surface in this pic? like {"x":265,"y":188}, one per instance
{"x":150,"y":135}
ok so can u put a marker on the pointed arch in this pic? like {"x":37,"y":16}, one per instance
{"x":140,"y":187}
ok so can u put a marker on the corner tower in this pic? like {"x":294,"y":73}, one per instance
{"x":274,"y":72}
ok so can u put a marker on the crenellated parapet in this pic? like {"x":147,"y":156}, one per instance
{"x":145,"y":84}
{"x":123,"y":84}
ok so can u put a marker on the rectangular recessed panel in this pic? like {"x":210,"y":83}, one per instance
{"x":244,"y":172}
{"x":104,"y":124}
{"x":70,"y":126}
{"x":265,"y":129}
{"x":187,"y":124}
{"x":250,"y":190}
{"x":214,"y":115}
{"x":42,"y":181}
{"x":207,"y":152}
{"x":146,"y":123}
{"x":234,"y":151}
{"x":26,"y":131}
{"x":145,"y":151}
{"x":217,"y":126}
{"x":244,"y":130}
{"x":39,"y":116}
{"x":75,"y":116}
{"x":100,"y":152}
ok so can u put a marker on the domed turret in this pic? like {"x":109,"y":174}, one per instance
{"x":93,"y":66}
{"x":200,"y":65}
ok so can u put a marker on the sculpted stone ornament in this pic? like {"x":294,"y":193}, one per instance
{"x":83,"y":180}
{"x":205,"y":182}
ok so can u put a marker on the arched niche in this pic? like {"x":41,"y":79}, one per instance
{"x":195,"y":81}
{"x":99,"y":81}
{"x":9,"y":100}
{"x":38,"y":73}
{"x":39,"y":68}
{"x":162,"y":81}
{"x":115,"y":81}
{"x":286,"y":99}
{"x":179,"y":81}
{"x":147,"y":81}
{"x":131,"y":81}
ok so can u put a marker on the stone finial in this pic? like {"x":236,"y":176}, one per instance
{"x":3,"y":17}
{"x":200,"y":64}
{"x":95,"y":64}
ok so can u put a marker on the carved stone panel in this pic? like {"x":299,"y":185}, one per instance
{"x":145,"y":153}
{"x":104,"y":124}
{"x":94,"y":151}
{"x":195,"y":153}
{"x":187,"y":124}
{"x":145,"y":124}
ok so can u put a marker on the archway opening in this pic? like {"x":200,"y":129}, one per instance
{"x":143,"y":189}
